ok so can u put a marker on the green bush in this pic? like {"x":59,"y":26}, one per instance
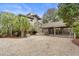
{"x":76,"y":28}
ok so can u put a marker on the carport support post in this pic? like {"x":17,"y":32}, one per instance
{"x":74,"y":36}
{"x":54,"y":31}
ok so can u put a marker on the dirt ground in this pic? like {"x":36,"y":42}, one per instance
{"x":38,"y":46}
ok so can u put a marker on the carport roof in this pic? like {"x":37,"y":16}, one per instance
{"x":54,"y":24}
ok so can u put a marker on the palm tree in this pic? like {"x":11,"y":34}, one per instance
{"x":22,"y":24}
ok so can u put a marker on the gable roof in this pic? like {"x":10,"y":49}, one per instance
{"x":32,"y":15}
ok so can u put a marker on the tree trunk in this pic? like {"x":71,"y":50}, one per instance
{"x":11,"y":31}
{"x":22,"y":33}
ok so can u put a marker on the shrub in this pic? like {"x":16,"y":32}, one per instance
{"x":76,"y":28}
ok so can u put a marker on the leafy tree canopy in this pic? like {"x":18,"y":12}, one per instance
{"x":50,"y":15}
{"x":69,"y":12}
{"x":10,"y":23}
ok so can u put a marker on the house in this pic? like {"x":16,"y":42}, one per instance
{"x":35,"y":21}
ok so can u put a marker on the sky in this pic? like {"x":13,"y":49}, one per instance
{"x":25,"y":8}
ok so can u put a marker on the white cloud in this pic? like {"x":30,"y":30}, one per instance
{"x":26,"y":7}
{"x":6,"y":10}
{"x":18,"y":9}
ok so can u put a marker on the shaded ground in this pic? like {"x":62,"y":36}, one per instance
{"x":38,"y":45}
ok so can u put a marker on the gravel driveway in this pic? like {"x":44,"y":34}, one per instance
{"x":38,"y":46}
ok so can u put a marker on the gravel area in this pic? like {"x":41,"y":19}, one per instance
{"x":38,"y":46}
